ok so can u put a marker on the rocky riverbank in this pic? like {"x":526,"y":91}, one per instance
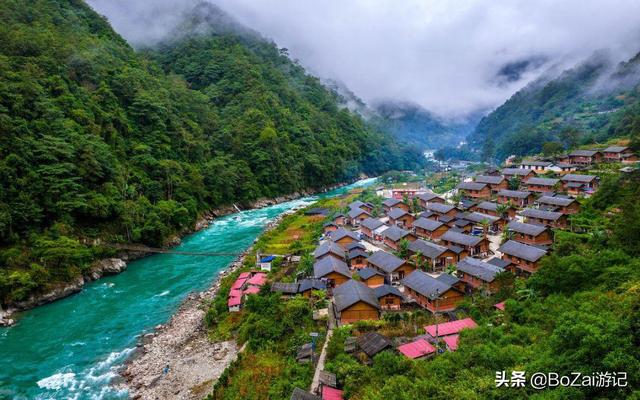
{"x":178,"y":361}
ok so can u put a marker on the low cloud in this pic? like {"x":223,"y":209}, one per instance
{"x":451,"y":57}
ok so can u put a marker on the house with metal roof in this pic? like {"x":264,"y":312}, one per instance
{"x":533,"y":234}
{"x":478,"y":219}
{"x":524,"y":258}
{"x":354,"y":301}
{"x":334,"y":271}
{"x":417,"y":350}
{"x":450,"y":328}
{"x":431,"y":293}
{"x":477,"y":274}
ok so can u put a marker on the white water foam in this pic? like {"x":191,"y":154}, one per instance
{"x":58,"y":381}
{"x":166,"y":292}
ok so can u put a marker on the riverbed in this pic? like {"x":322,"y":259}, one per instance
{"x":71,"y":349}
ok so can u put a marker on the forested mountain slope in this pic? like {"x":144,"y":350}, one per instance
{"x":583,"y":105}
{"x":99,"y":142}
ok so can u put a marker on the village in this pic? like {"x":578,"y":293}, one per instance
{"x":405,"y":248}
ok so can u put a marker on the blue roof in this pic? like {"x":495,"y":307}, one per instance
{"x":267,"y":259}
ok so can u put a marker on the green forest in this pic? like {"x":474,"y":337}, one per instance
{"x":574,"y":109}
{"x":102,"y":143}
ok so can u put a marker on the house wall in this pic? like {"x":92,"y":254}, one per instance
{"x":390,"y":302}
{"x":358,"y":312}
{"x":448,"y":302}
{"x":338,"y":279}
{"x":433,"y":235}
{"x":542,"y":239}
{"x":345,"y":241}
{"x":374,"y":281}
{"x":519,"y":266}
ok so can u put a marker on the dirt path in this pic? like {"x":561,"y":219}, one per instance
{"x":323,"y":355}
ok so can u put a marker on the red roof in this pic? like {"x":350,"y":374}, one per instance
{"x":235,"y":293}
{"x":258,"y":279}
{"x":238,"y":283}
{"x":500,"y":306}
{"x":244,"y":275}
{"x":252,"y":290}
{"x":451,"y":341}
{"x":417,"y":349}
{"x":451,"y":328}
{"x":234,"y":301}
{"x":329,"y":393}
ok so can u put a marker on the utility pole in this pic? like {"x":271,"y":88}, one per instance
{"x":436,"y":315}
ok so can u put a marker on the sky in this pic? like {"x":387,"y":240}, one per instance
{"x":452,"y":57}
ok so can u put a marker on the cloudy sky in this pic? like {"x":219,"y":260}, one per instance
{"x":452,"y":57}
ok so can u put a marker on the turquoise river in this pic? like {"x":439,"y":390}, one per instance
{"x":71,"y":349}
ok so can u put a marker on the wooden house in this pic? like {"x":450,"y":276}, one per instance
{"x":368,"y":207}
{"x":524,"y":258}
{"x":427,"y":198}
{"x":477,"y":274}
{"x":357,"y":258}
{"x":286,"y":290}
{"x":329,"y":227}
{"x":542,"y":217}
{"x":520,"y":173}
{"x":419,"y":349}
{"x":562,"y":168}
{"x":517,"y":198}
{"x":565,"y":205}
{"x":389,"y":297}
{"x":630,"y":158}
{"x":393,"y":268}
{"x":334,"y":271}
{"x":615,"y":153}
{"x":388,"y":204}
{"x":369,"y":226}
{"x":542,"y":185}
{"x":434,"y":257}
{"x":495,"y":224}
{"x":371,"y":277}
{"x":356,"y":215}
{"x":340,"y":219}
{"x":450,"y":328}
{"x":474,"y":245}
{"x":576,"y":184}
{"x":394,"y":235}
{"x":440,"y":210}
{"x":344,"y":237}
{"x":354,"y":301}
{"x":429,"y":229}
{"x":539,"y":167}
{"x":329,"y":248}
{"x":474,"y":190}
{"x":583,"y":157}
{"x":533,"y":234}
{"x":496,"y":182}
{"x":491,"y":208}
{"x":431,"y":293}
{"x":401,"y":218}
{"x":372,"y":343}
{"x":307,"y":286}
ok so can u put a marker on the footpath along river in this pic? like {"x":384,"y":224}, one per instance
{"x":70,"y":349}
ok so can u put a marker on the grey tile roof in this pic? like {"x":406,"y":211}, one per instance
{"x":541,"y":214}
{"x":287,"y":288}
{"x":499,"y":262}
{"x":353,"y":253}
{"x":371,"y":223}
{"x":351,"y":292}
{"x":471,"y":185}
{"x":518,"y":194}
{"x":425,"y":285}
{"x":578,"y":178}
{"x":583,"y":153}
{"x":446,"y":218}
{"x":395,"y":233}
{"x":427,"y":249}
{"x":313,"y":284}
{"x":448,"y":279}
{"x":385,"y":290}
{"x":330,"y":264}
{"x":440,"y":208}
{"x":488,"y":205}
{"x":385,"y":261}
{"x":542,"y":181}
{"x":555,"y":201}
{"x":615,"y":149}
{"x":462,"y":239}
{"x":521,"y":250}
{"x":356,"y":245}
{"x":479,"y":217}
{"x":428,"y":196}
{"x":358,"y":204}
{"x":299,"y":394}
{"x":425,"y":214}
{"x":396,"y":213}
{"x":427,"y":224}
{"x":355,"y":212}
{"x":328,"y":246}
{"x":537,"y":163}
{"x":478,"y":268}
{"x":527,"y":229}
{"x":490,"y":179}
{"x":516,"y":171}
{"x":373,"y":343}
{"x":391,"y":202}
{"x":366,"y":273}
{"x":341,"y":233}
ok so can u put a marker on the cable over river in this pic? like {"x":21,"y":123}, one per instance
{"x":70,"y":349}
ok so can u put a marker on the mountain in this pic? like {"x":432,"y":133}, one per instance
{"x":103,"y":143}
{"x":580,"y":106}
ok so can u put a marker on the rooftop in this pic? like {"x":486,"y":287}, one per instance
{"x":426,"y":285}
{"x":541,"y":214}
{"x":527,"y":229}
{"x":542,"y":181}
{"x":471,"y":185}
{"x":427,"y":224}
{"x":352,"y":292}
{"x":451,"y":327}
{"x":395,"y":233}
{"x":366,"y":273}
{"x":371,"y":223}
{"x":578,"y":178}
{"x":328,"y":265}
{"x":514,"y":193}
{"x":521,"y":250}
{"x":440,"y":208}
{"x":416,"y":349}
{"x":396,"y":213}
{"x":373,"y":343}
{"x":427,"y":249}
{"x":480,"y":269}
{"x":385,"y":261}
{"x":461,"y":238}
{"x":555,"y":201}
{"x":489,"y":179}
{"x":516,"y":171}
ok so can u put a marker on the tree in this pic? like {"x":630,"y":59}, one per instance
{"x":552,"y":148}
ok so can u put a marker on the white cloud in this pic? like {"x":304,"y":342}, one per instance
{"x":443,"y":55}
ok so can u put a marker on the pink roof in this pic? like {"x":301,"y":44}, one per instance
{"x":244,"y":275}
{"x":234,"y":301}
{"x":258,"y":279}
{"x":252,"y":290}
{"x":500,"y":306}
{"x":235,"y":293}
{"x":417,"y":349}
{"x":451,"y":341}
{"x":329,"y":393}
{"x":452,"y":327}
{"x":238,"y":283}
